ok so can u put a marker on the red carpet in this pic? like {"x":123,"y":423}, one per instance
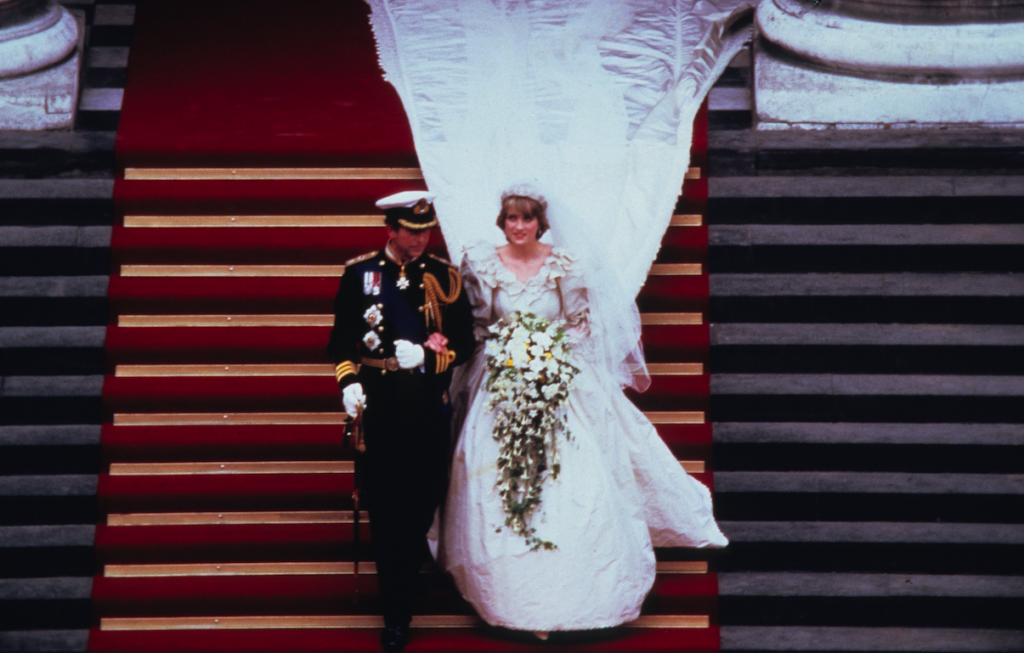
{"x":227,"y":492}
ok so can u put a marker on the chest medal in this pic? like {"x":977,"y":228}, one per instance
{"x":371,"y":283}
{"x":403,"y":281}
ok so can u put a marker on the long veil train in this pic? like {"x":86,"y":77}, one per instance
{"x":589,"y":101}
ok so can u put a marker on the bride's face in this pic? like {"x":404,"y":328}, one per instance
{"x":520,"y":228}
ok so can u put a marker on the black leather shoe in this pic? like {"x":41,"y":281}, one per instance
{"x":394,"y":638}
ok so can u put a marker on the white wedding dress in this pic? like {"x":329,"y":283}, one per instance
{"x":620,"y":490}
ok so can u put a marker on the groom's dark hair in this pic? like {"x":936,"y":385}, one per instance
{"x":533,"y":206}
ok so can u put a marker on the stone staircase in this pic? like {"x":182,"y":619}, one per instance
{"x":55,"y":214}
{"x":867,"y":376}
{"x":867,"y":361}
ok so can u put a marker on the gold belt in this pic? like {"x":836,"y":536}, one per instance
{"x":385,"y":364}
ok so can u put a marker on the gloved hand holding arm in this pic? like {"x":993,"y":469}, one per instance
{"x":409,"y":355}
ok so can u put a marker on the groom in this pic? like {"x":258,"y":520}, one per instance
{"x":401,"y":323}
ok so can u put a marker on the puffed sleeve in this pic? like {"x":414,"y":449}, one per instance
{"x":478,"y":284}
{"x":573,"y":292}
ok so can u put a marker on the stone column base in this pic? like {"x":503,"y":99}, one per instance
{"x":46,"y":99}
{"x":789,"y":93}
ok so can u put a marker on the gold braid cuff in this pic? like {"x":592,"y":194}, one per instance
{"x":444,"y":361}
{"x":343,"y":369}
{"x":436,"y":298}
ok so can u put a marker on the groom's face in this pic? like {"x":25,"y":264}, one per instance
{"x":409,"y":244}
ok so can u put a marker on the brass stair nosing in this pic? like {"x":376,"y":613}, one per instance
{"x":240,"y":370}
{"x":233,"y":468}
{"x":268,"y":174}
{"x":270,"y":467}
{"x":669,"y":319}
{"x":231,"y":271}
{"x":676,"y":270}
{"x":196,"y":570}
{"x":236,"y":320}
{"x":675,"y":369}
{"x":229,"y":419}
{"x":200,"y":570}
{"x":686,"y":220}
{"x":298,"y":419}
{"x":253,"y":221}
{"x":288,"y":271}
{"x":693,"y":466}
{"x":233,"y":518}
{"x":317,"y":370}
{"x":326,"y":320}
{"x":305,"y":221}
{"x":349,"y":621}
{"x":675,"y":416}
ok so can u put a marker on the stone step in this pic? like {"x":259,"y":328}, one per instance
{"x":867,"y":186}
{"x":876,"y":234}
{"x":866,"y":384}
{"x":864,"y":482}
{"x":48,"y":641}
{"x":869,"y":433}
{"x":897,"y":284}
{"x":866,"y":210}
{"x":849,"y":455}
{"x":83,"y":286}
{"x":859,"y":309}
{"x":868,"y":585}
{"x":869,"y":359}
{"x":43,"y":189}
{"x":897,"y":639}
{"x":815,"y":259}
{"x":911,"y":335}
{"x":874,"y":532}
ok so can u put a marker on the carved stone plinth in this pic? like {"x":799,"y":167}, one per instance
{"x":856,"y":63}
{"x":40,"y":59}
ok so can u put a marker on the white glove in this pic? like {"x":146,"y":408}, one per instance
{"x":408,"y":354}
{"x":354,"y":399}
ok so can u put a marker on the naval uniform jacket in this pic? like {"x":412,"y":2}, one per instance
{"x":380,"y":301}
{"x":406,"y":421}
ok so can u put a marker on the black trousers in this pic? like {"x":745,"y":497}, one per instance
{"x":405,"y":477}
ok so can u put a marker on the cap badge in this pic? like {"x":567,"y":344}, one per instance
{"x":421,"y":207}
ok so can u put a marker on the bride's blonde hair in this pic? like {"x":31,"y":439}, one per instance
{"x":525,"y":200}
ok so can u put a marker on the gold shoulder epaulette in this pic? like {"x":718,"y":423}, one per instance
{"x":443,"y":260}
{"x":360,"y":259}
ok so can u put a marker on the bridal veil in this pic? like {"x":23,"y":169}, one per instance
{"x":590,"y":102}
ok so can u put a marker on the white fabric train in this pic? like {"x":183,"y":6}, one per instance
{"x":591,"y":102}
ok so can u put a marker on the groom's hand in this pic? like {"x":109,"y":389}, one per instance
{"x":354,"y":399}
{"x":409,"y":355}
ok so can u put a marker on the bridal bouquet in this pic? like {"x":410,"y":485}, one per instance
{"x":529,"y":378}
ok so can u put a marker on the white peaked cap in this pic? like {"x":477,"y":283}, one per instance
{"x":405,"y":200}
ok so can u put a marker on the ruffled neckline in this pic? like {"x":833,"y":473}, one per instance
{"x":489,"y":269}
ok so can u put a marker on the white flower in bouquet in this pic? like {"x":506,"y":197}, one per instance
{"x":550,"y":391}
{"x":542,"y":339}
{"x":491,"y":348}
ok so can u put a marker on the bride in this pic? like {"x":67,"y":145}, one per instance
{"x":619,"y":493}
{"x":592,"y":102}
